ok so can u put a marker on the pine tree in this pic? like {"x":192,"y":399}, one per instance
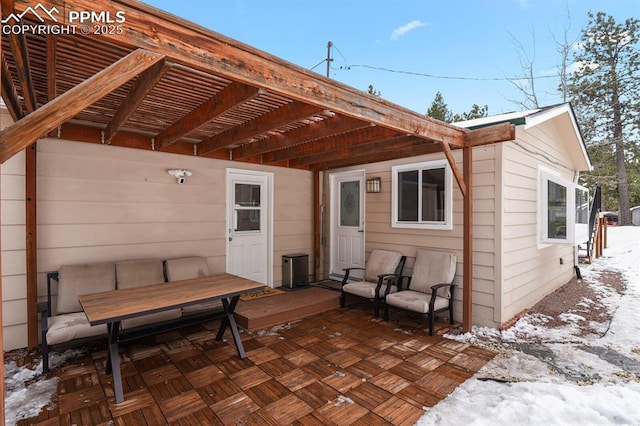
{"x":439,"y":109}
{"x":605,"y":93}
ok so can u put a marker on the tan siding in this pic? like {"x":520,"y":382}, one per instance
{"x":380,"y":233}
{"x":100,"y":203}
{"x":530,"y":272}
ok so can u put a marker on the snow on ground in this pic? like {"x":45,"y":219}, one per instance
{"x":27,"y":391}
{"x":563,"y":378}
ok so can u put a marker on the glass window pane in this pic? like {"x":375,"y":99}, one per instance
{"x":350,"y":203}
{"x":247,"y":220}
{"x":433,"y":195}
{"x":408,"y":196}
{"x":247,"y":195}
{"x":557,"y":211}
{"x":582,"y":206}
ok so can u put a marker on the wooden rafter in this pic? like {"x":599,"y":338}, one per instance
{"x":140,"y":89}
{"x":367,"y":135}
{"x":426,"y":148}
{"x":489,"y":135}
{"x":398,"y":142}
{"x":9,"y":94}
{"x":46,"y":118}
{"x":21,"y":58}
{"x":207,"y":51}
{"x":230,"y":97}
{"x":290,"y":113}
{"x":454,"y":168}
{"x":321,"y":129}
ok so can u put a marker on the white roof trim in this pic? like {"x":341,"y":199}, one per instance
{"x":496,"y":118}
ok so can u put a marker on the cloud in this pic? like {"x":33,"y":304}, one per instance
{"x":400,"y":31}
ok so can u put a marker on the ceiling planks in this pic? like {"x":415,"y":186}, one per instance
{"x":140,"y":89}
{"x":23,"y":133}
{"x":230,"y":97}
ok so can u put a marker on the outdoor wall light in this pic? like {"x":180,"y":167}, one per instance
{"x":374,"y":184}
{"x":180,"y":174}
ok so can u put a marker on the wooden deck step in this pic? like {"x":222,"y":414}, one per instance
{"x":283,"y":308}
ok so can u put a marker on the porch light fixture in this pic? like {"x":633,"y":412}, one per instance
{"x":180,"y":174}
{"x":373,"y":185}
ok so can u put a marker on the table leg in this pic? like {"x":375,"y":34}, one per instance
{"x":113,"y":360}
{"x":230,"y":321}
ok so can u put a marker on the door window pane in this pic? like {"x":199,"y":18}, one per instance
{"x":247,"y":195}
{"x":350,"y":203}
{"x":247,"y":220}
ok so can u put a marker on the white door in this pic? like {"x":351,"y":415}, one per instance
{"x":347,"y":221}
{"x":248,"y":224}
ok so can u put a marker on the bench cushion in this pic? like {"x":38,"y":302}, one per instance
{"x":186,"y":268}
{"x":191,"y":267}
{"x":67,"y":327}
{"x":367,"y":289}
{"x":416,"y":301}
{"x":74,"y":280}
{"x":136,"y":273}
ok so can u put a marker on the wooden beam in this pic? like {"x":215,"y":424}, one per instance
{"x":145,"y":82}
{"x":487,"y":135}
{"x":9,"y":94}
{"x":329,"y":126}
{"x":367,"y":135}
{"x":199,"y":48}
{"x":454,"y":167}
{"x":21,"y":59}
{"x":230,"y":97}
{"x":289,"y":113}
{"x":20,"y":135}
{"x":467,"y":231}
{"x":398,"y":142}
{"x":375,"y":158}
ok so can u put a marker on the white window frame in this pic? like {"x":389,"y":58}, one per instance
{"x":447,"y":224}
{"x":545,"y":176}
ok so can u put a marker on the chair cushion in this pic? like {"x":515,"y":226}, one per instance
{"x":431,"y":268}
{"x":136,"y":273}
{"x":381,"y":262}
{"x":74,"y":280}
{"x":415,"y":301}
{"x":67,"y":327}
{"x":366,"y":289}
{"x":186,"y":268}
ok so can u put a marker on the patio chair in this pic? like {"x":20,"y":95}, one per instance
{"x":382,"y":266}
{"x":430,"y":288}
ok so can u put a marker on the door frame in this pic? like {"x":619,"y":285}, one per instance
{"x":269,"y":221}
{"x":333,"y":214}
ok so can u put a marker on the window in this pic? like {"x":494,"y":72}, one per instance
{"x":422,"y":195}
{"x":581,"y":234}
{"x":558,"y":211}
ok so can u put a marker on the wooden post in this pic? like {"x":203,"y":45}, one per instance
{"x":605,"y":225}
{"x":3,"y":13}
{"x":31,"y":224}
{"x":317,"y":216}
{"x":467,"y":279}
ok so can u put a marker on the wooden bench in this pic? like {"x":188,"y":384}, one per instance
{"x":64,"y":323}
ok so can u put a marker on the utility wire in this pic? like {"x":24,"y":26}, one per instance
{"x":445,"y":77}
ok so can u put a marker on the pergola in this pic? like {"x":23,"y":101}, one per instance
{"x":157,"y":82}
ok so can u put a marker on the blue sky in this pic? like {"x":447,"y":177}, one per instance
{"x":451,"y":38}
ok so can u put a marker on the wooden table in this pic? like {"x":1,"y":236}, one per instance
{"x":112,"y":307}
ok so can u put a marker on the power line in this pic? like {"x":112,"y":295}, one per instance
{"x":446,"y":77}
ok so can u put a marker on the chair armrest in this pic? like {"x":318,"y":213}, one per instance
{"x":389,"y":278}
{"x":347,"y":271}
{"x":43,"y":309}
{"x":437,"y":286}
